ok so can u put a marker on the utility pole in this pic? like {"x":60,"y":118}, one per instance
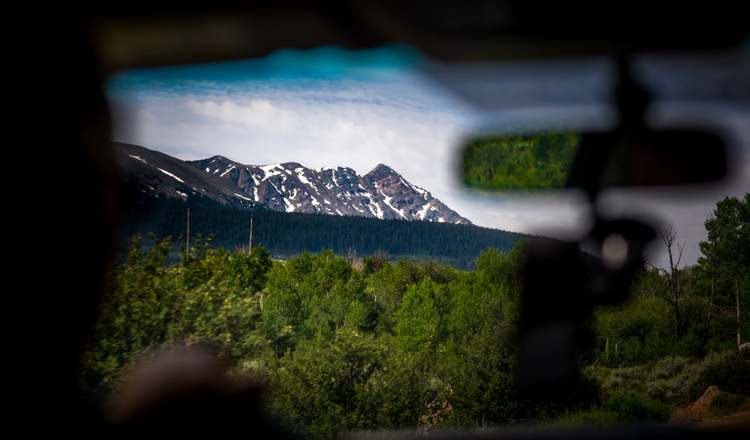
{"x":737,"y":298}
{"x":187,"y":236}
{"x":250,"y":237}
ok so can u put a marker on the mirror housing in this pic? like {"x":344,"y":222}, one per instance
{"x":648,"y":158}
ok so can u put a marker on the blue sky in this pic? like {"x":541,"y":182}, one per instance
{"x":328,"y":107}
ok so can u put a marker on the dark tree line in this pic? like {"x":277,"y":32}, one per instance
{"x":288,"y":234}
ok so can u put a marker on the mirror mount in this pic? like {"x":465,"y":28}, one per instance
{"x":631,"y":97}
{"x":636,"y":155}
{"x":632,"y":100}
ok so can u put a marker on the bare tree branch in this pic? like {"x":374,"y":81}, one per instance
{"x":680,"y":250}
{"x":668,"y":237}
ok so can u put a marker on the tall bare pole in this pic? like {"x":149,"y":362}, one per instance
{"x":187,"y":236}
{"x":250,"y":237}
{"x":737,"y":298}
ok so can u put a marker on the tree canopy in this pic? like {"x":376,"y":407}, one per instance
{"x":375,"y":344}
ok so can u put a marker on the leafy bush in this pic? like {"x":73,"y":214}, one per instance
{"x":632,"y":408}
{"x":619,"y":408}
{"x":728,"y":371}
{"x":595,"y":416}
{"x":676,"y":380}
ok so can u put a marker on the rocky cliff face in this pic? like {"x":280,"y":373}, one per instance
{"x":291,"y":187}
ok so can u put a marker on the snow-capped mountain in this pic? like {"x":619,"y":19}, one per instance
{"x":382,"y":193}
{"x":292,"y":187}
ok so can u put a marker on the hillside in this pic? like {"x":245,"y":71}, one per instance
{"x":287,"y":234}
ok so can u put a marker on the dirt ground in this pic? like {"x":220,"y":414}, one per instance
{"x":703,"y":413}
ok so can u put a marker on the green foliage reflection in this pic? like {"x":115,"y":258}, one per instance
{"x":537,"y":161}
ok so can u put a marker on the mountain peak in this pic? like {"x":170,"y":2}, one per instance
{"x":382,"y":167}
{"x":381,"y":171}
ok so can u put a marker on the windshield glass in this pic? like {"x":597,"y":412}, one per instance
{"x":302,"y":216}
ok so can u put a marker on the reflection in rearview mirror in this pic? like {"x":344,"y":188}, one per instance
{"x":594,"y":161}
{"x":513,"y":162}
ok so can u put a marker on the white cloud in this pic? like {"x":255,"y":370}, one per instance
{"x":253,"y":112}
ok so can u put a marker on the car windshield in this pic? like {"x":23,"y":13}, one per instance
{"x":303,"y":216}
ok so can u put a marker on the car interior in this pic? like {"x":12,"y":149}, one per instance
{"x":616,"y":129}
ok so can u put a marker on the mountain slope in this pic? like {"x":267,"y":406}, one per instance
{"x":288,"y":187}
{"x":159,"y":175}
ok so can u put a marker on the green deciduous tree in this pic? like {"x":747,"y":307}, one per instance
{"x":418,"y":318}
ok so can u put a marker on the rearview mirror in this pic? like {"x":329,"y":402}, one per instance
{"x":593,"y":161}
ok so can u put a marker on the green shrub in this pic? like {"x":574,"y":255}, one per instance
{"x":676,"y":380}
{"x":595,"y":416}
{"x":728,"y":371}
{"x":632,"y":408}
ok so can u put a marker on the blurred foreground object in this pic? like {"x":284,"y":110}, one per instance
{"x":189,"y":389}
